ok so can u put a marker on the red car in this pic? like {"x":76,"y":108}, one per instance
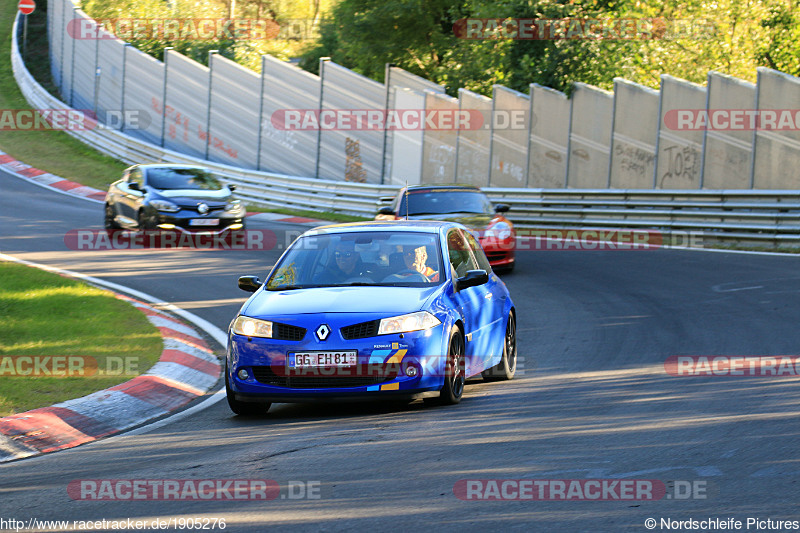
{"x":465,"y":204}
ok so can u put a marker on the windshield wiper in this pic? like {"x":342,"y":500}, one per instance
{"x":287,"y":287}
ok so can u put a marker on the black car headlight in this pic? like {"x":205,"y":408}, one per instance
{"x":164,"y":205}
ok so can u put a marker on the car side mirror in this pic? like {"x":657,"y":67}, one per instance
{"x":231,"y":187}
{"x":250,"y":283}
{"x":471,"y":279}
{"x":134,"y":186}
{"x":386,"y":210}
{"x":502,"y":208}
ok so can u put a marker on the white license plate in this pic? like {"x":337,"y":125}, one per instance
{"x":323,"y":359}
{"x":204,"y":222}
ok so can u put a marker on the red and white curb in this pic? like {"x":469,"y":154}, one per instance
{"x":187,"y":370}
{"x":56,"y":183}
{"x":45,"y":179}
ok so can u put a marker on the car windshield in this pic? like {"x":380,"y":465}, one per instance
{"x":433,"y":202}
{"x":182,"y":178}
{"x":402,"y":259}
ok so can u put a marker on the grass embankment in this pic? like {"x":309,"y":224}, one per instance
{"x":45,"y":314}
{"x":55,"y":151}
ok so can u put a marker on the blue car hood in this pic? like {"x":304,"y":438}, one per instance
{"x":383,"y":301}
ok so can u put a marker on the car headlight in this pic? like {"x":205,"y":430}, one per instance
{"x":233,"y":206}
{"x":410,"y":322}
{"x":500,"y":231}
{"x":164,"y":205}
{"x":252,"y":327}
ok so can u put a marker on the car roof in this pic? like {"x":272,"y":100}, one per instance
{"x":442,"y":188}
{"x":411,"y":226}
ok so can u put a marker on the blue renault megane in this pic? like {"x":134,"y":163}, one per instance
{"x":373,"y":310}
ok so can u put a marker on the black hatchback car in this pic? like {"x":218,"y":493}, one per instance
{"x":172,"y":197}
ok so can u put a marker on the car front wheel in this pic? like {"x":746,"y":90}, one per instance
{"x":109,"y":222}
{"x":454,"y":375}
{"x":244,"y":408}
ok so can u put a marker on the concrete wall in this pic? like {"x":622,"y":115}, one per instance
{"x":628,"y":139}
{"x":473,"y":144}
{"x":510,"y":138}
{"x":590,"y":137}
{"x":777,"y":152}
{"x":549,"y":138}
{"x":680,"y":161}
{"x":633,"y":150}
{"x":728,"y":156}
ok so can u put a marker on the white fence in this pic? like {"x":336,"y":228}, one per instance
{"x":596,"y":139}
{"x":751,"y":216}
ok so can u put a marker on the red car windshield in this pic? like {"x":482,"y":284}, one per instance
{"x":442,"y":202}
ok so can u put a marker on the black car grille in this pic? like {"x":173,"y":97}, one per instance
{"x":361,"y":331}
{"x":265,"y":375}
{"x":496,"y":256}
{"x":286,"y":332}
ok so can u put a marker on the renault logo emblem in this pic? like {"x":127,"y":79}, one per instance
{"x":202,"y":209}
{"x":323,"y":331}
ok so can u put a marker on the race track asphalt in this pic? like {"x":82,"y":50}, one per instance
{"x":592,"y":401}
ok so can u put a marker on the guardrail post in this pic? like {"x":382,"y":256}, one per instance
{"x":124,"y":77}
{"x":658,"y":130}
{"x":322,"y":61}
{"x":755,"y":133}
{"x":528,"y":138}
{"x":569,"y":139}
{"x":97,"y":72}
{"x":261,"y":111}
{"x":63,"y":31}
{"x":211,"y":54}
{"x":387,"y":81}
{"x":611,"y":142}
{"x":458,"y":138}
{"x":164,"y":95}
{"x":705,"y":134}
{"x":491,"y":139}
{"x":72,"y":68}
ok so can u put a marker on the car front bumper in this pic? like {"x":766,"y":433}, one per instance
{"x":381,"y":371}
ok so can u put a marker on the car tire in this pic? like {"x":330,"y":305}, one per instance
{"x":144,"y":223}
{"x":244,"y":408}
{"x":109,"y":222}
{"x":507,"y":367}
{"x":454,"y":375}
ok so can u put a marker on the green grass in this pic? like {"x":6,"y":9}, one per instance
{"x":66,"y":156}
{"x":45,"y":314}
{"x":53,"y":151}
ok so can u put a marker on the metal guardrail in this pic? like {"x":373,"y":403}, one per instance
{"x":760,"y":217}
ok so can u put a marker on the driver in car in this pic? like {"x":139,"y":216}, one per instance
{"x":346,"y":264}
